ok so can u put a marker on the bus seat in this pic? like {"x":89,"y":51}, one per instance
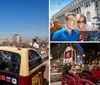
{"x":85,"y":76}
{"x":67,"y":80}
{"x":86,"y":82}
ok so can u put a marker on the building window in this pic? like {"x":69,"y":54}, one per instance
{"x":77,"y":1}
{"x":84,"y":4}
{"x":88,"y":14}
{"x":68,"y":7}
{"x":74,"y":3}
{"x":96,"y":4}
{"x":87,"y":4}
{"x":79,"y":10}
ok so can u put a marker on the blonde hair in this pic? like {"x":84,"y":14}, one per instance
{"x":85,"y":21}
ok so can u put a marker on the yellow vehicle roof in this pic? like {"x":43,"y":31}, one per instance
{"x":14,"y":49}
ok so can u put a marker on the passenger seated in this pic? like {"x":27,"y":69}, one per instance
{"x":67,"y":77}
{"x":69,"y":73}
{"x":86,"y":70}
{"x":96,"y":74}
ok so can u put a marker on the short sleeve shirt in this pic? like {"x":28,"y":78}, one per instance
{"x":64,"y":35}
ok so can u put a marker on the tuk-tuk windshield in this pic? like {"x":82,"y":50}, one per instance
{"x":9,"y":61}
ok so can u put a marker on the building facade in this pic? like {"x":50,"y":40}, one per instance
{"x":90,"y":8}
{"x":16,"y":38}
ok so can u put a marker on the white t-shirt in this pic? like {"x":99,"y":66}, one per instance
{"x":35,"y":45}
{"x":89,"y":26}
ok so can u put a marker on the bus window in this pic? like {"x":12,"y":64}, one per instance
{"x":34,"y":59}
{"x":9,"y":61}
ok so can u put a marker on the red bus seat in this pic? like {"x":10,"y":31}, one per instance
{"x":67,"y":80}
{"x":85,"y":76}
{"x":85,"y":81}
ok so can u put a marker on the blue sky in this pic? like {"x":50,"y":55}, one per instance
{"x":29,"y":18}
{"x":56,"y":5}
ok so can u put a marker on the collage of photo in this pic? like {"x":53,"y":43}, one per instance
{"x":49,"y":42}
{"x":74,"y":42}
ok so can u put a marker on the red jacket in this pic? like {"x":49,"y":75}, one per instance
{"x":96,"y":75}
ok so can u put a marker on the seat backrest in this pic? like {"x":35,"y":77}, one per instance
{"x":86,"y":76}
{"x":86,"y":82}
{"x":68,"y":80}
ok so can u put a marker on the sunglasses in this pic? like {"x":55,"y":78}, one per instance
{"x":81,"y":21}
{"x":73,"y":22}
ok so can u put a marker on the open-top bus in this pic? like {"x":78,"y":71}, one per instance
{"x":22,"y":66}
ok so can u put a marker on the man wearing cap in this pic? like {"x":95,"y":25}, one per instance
{"x":69,"y":32}
{"x":55,"y":26}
